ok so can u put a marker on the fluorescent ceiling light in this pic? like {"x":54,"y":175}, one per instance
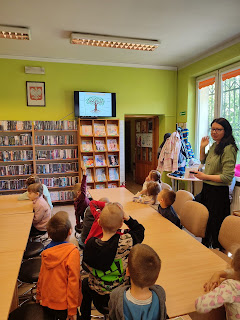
{"x":97,"y":40}
{"x":16,"y":33}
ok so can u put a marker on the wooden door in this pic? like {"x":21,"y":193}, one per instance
{"x":146,"y":145}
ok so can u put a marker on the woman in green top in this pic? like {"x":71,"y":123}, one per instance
{"x":218,"y":174}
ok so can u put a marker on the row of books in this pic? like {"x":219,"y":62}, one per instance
{"x":100,"y":174}
{"x":57,"y":167}
{"x":54,"y":140}
{"x":17,"y":140}
{"x":60,"y":181}
{"x":99,"y":130}
{"x":100,"y":160}
{"x":16,"y":184}
{"x":6,"y":125}
{"x":55,"y":125}
{"x":61,"y":195}
{"x":16,"y":170}
{"x":15,"y":155}
{"x":56,"y":154}
{"x":87,"y":145}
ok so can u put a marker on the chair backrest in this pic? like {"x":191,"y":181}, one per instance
{"x":166,"y":186}
{"x":194,"y":217}
{"x":229,"y":235}
{"x":181,"y":197}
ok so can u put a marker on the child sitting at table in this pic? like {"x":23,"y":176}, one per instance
{"x":35,"y":179}
{"x":81,"y":201}
{"x":41,"y":208}
{"x":166,"y":198}
{"x":143,"y":299}
{"x":154,"y":176}
{"x":106,"y":258}
{"x":223,"y":289}
{"x":148,"y":195}
{"x":59,"y":283}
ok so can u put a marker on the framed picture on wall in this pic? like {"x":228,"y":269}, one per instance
{"x":35,"y":94}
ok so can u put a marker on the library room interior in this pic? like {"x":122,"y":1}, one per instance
{"x":119,"y":160}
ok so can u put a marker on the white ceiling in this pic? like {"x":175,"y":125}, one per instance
{"x":187,"y":29}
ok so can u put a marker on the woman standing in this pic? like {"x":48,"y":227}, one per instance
{"x":219,"y":171}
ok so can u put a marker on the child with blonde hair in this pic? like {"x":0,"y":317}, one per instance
{"x":148,"y":195}
{"x":106,"y":258}
{"x":143,"y":299}
{"x":41,"y":208}
{"x":223,"y":289}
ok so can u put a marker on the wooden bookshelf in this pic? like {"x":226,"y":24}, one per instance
{"x":55,"y":151}
{"x":99,"y":138}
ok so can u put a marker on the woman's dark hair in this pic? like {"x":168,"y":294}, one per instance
{"x":227,"y":138}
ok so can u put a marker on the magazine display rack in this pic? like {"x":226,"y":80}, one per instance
{"x":99,"y":151}
{"x":55,"y":151}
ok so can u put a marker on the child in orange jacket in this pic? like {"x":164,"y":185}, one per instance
{"x":59,"y":282}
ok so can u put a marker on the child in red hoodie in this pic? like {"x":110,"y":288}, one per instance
{"x":59,"y":282}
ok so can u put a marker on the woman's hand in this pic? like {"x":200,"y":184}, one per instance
{"x":204,"y":142}
{"x":200,"y":175}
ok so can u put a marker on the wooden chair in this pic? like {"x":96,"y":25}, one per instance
{"x":229,"y":236}
{"x":181,"y":197}
{"x":194,"y":217}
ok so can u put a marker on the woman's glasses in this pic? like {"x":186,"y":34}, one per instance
{"x":216,"y":130}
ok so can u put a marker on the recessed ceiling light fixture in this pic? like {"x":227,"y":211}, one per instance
{"x":7,"y":32}
{"x":98,"y":40}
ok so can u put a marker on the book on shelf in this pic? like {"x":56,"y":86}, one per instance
{"x":55,"y":125}
{"x":16,"y":140}
{"x":49,"y":168}
{"x":15,"y":184}
{"x":61,"y":195}
{"x":56,"y":154}
{"x":112,"y":129}
{"x":60,"y":181}
{"x":112,"y":185}
{"x":88,"y":161}
{"x":100,"y":186}
{"x":100,"y":160}
{"x":54,"y":139}
{"x":16,"y":155}
{"x":88,"y":193}
{"x":112,"y":145}
{"x":12,"y":170}
{"x":86,"y":130}
{"x":100,"y":145}
{"x":6,"y":125}
{"x":89,"y":175}
{"x":87,"y":146}
{"x":113,"y":160}
{"x":99,"y":129}
{"x":113,"y":174}
{"x":100,"y":174}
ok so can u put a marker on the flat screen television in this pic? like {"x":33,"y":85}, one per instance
{"x":94,"y":104}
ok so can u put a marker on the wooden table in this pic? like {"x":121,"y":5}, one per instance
{"x":15,"y":223}
{"x":186,"y":263}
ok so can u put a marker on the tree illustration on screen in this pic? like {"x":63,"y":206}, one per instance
{"x":95,"y":101}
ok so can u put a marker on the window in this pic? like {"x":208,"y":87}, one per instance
{"x":218,"y":95}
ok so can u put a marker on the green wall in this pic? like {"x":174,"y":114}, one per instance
{"x":186,"y":93}
{"x":139,"y":90}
